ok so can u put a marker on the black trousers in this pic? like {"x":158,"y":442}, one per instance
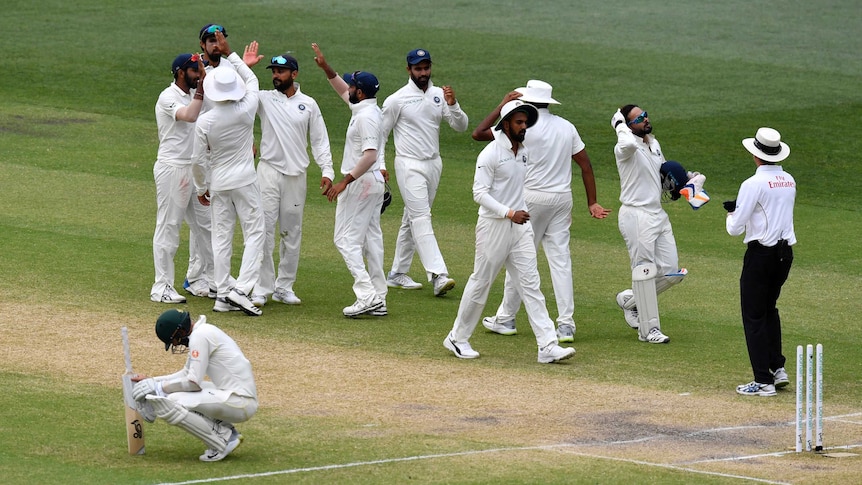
{"x":764,"y":271}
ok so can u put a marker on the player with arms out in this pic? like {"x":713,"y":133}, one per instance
{"x":205,"y":409}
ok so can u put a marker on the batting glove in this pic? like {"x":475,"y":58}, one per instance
{"x":147,"y":387}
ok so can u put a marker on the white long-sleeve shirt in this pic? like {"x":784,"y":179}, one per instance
{"x":639,"y":165}
{"x":363,"y":133}
{"x":553,"y":141}
{"x":287,"y":124}
{"x":175,"y":147}
{"x":498,"y":185}
{"x":415,"y":116}
{"x":214,"y":354}
{"x":764,"y":207}
{"x":227,"y":130}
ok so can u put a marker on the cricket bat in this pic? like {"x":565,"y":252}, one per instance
{"x":134,"y":422}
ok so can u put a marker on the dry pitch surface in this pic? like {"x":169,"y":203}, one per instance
{"x":721,"y":434}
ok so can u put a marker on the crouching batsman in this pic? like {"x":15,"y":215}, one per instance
{"x":205,"y":409}
{"x":646,"y":178}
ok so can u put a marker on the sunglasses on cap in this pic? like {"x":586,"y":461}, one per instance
{"x":284,"y":62}
{"x":640,"y":118}
{"x":192,"y":62}
{"x":211,"y":30}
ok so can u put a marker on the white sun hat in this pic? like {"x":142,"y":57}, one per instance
{"x":767,"y":145}
{"x":223,"y":84}
{"x":537,"y":92}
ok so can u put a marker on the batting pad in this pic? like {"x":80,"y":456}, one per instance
{"x":208,"y":430}
{"x":643,"y":286}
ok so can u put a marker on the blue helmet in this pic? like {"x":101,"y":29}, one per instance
{"x":673,"y":178}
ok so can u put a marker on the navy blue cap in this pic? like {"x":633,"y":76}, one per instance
{"x":365,"y":81}
{"x":285,"y":60}
{"x":183,"y":61}
{"x":210,"y":30}
{"x":418,"y":55}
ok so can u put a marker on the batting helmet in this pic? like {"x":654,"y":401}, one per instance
{"x":673,"y":178}
{"x":174,"y":325}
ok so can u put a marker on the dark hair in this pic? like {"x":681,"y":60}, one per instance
{"x":625,"y":110}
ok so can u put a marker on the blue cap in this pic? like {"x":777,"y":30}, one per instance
{"x":418,"y":55}
{"x":184,"y":61}
{"x":285,"y":61}
{"x":365,"y":81}
{"x":210,"y":30}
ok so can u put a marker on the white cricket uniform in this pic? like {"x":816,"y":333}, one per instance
{"x":498,"y":186}
{"x":227,"y":130}
{"x":287,"y":124}
{"x":643,"y":223}
{"x":357,"y":210}
{"x":552,"y":142}
{"x":231,"y":394}
{"x":175,"y":195}
{"x":415,"y":117}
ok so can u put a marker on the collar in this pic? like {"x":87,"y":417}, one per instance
{"x":365,"y":103}
{"x":180,"y":91}
{"x":416,"y":88}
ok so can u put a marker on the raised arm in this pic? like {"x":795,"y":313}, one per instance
{"x":483,"y":131}
{"x":335,"y":80}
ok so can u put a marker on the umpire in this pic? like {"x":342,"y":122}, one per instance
{"x":763,"y":210}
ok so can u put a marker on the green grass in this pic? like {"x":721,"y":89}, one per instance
{"x":78,"y":139}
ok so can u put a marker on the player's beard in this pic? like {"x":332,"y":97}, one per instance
{"x":282,"y":86}
{"x":519,"y":136}
{"x":421,"y":82}
{"x":642,"y":133}
{"x":353,"y":98}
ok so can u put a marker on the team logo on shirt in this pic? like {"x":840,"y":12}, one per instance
{"x":302,"y":107}
{"x":195,"y":354}
{"x":437,"y":99}
{"x":524,"y":159}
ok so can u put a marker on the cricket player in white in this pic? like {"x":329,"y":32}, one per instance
{"x":553,"y":143}
{"x":643,"y":223}
{"x":504,"y":236}
{"x":232,"y":189}
{"x":288,"y":120}
{"x":205,"y":409}
{"x":360,"y":191}
{"x":176,"y":111}
{"x":415,"y":113}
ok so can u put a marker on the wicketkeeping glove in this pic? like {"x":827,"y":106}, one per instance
{"x":617,"y":119}
{"x":730,"y":205}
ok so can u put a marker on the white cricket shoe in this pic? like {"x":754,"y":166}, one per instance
{"x":403,"y":281}
{"x":554,"y":353}
{"x":503,"y":328}
{"x":360,"y":308}
{"x":780,"y":377}
{"x":198,"y":288}
{"x":462,"y":350}
{"x":232,"y":444}
{"x":442,"y":284}
{"x":170,"y":295}
{"x":222,"y":305}
{"x":566,"y":333}
{"x":379,"y":312}
{"x":631,"y":315}
{"x":655,"y":337}
{"x":258,"y":300}
{"x":238,"y":298}
{"x":288,"y":297}
{"x":754,"y":388}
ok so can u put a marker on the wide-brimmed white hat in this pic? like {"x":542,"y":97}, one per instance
{"x":515,"y":106}
{"x":767,"y":145}
{"x":537,"y":92}
{"x":223,"y":84}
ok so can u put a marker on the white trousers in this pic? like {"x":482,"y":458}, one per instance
{"x":176,"y":202}
{"x":283,"y":204}
{"x":418,"y":181}
{"x":358,"y":236}
{"x":649,"y":239}
{"x":501,"y":242}
{"x":217,"y":403}
{"x":228,"y":205}
{"x":551,"y":218}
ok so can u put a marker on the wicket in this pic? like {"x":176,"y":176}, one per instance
{"x":813,"y":398}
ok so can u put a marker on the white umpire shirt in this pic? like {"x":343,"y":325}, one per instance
{"x":639,"y":165}
{"x":554,"y":140}
{"x":174,"y":135}
{"x":764,"y":207}
{"x":214,"y":353}
{"x":230,"y":124}
{"x":498,"y":185}
{"x":287,"y":125}
{"x":415,"y":117}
